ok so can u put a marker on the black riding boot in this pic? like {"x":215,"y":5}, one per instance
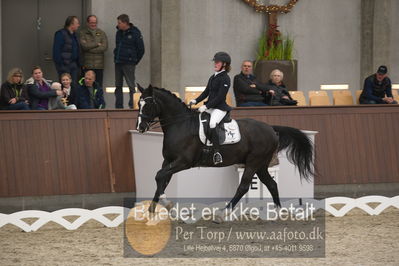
{"x":217,"y":157}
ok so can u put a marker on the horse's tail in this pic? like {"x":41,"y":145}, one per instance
{"x":300,"y":149}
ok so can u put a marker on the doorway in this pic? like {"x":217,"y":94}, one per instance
{"x":28,"y":28}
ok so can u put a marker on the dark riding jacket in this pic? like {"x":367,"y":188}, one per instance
{"x":216,"y":91}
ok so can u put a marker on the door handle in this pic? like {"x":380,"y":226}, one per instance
{"x":39,"y":23}
{"x":48,"y":59}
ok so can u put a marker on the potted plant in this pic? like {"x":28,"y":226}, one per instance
{"x":275,"y":51}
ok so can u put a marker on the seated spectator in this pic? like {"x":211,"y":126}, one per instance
{"x":90,"y":94}
{"x":14,"y":94}
{"x":59,"y":101}
{"x":377,"y":88}
{"x":40,"y":90}
{"x":69,"y":89}
{"x":247,"y":91}
{"x":280,"y":95}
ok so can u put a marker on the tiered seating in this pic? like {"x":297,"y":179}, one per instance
{"x":299,"y":97}
{"x":318,"y":98}
{"x":342,"y":97}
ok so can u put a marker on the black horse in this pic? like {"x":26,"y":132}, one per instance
{"x":182,"y":148}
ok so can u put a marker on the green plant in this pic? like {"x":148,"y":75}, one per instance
{"x":274,"y":46}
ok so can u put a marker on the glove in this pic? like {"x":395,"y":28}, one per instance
{"x":202,"y":109}
{"x":192,"y":102}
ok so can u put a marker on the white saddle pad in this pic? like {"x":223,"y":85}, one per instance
{"x":232,"y":133}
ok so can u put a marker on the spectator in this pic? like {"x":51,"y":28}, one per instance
{"x":66,"y":49}
{"x":14,"y":95}
{"x":280,"y":96}
{"x":59,"y":101}
{"x":39,"y":90}
{"x":127,"y":54}
{"x":377,"y":88}
{"x":247,"y":91}
{"x":91,"y":95}
{"x":94,"y":43}
{"x":70,"y":96}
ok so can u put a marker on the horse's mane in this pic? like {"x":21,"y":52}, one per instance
{"x":172,"y":95}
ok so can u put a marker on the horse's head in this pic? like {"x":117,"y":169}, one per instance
{"x":148,"y":109}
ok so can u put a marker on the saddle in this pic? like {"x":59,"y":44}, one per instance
{"x":227,"y":130}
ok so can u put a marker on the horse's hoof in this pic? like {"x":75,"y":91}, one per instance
{"x":168,"y":204}
{"x":218,"y":219}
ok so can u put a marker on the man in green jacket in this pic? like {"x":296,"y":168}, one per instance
{"x":94,"y":43}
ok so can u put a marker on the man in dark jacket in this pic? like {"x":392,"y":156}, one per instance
{"x":247,"y":91}
{"x":377,"y":88}
{"x":66,"y":49}
{"x":91,"y":96}
{"x":127,"y":54}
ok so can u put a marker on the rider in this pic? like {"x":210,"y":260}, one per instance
{"x":216,"y":91}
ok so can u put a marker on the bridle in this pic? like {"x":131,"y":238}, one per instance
{"x":152,"y":121}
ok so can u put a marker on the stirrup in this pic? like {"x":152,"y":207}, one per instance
{"x":217,"y":158}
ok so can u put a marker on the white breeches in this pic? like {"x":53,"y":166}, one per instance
{"x":216,"y":116}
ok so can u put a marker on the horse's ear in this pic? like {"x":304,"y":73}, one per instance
{"x":141,"y":89}
{"x":150,"y":89}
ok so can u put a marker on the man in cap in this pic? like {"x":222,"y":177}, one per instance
{"x":377,"y":88}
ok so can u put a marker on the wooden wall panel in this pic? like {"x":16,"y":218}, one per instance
{"x":53,"y":155}
{"x":83,"y":152}
{"x":121,"y":150}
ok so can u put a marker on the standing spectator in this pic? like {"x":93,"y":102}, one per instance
{"x":14,"y":95}
{"x":280,"y":95}
{"x":91,"y":95}
{"x":127,"y":54}
{"x":94,"y":43}
{"x":66,"y":49}
{"x":377,"y":88}
{"x":247,"y":91}
{"x":39,"y":90}
{"x":69,"y":89}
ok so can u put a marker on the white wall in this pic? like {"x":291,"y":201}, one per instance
{"x":139,"y":12}
{"x":327,"y":42}
{"x":208,"y":26}
{"x":394,"y":45}
{"x":326,"y":32}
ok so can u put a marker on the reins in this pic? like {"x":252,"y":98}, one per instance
{"x":175,"y":119}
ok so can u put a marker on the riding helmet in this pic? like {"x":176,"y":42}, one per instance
{"x":222,"y":57}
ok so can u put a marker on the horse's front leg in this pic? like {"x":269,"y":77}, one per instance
{"x":163,"y":178}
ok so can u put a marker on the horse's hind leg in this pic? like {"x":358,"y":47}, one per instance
{"x":265,"y":178}
{"x":243,"y":187}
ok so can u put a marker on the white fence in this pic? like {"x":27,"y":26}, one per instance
{"x":84,"y":215}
